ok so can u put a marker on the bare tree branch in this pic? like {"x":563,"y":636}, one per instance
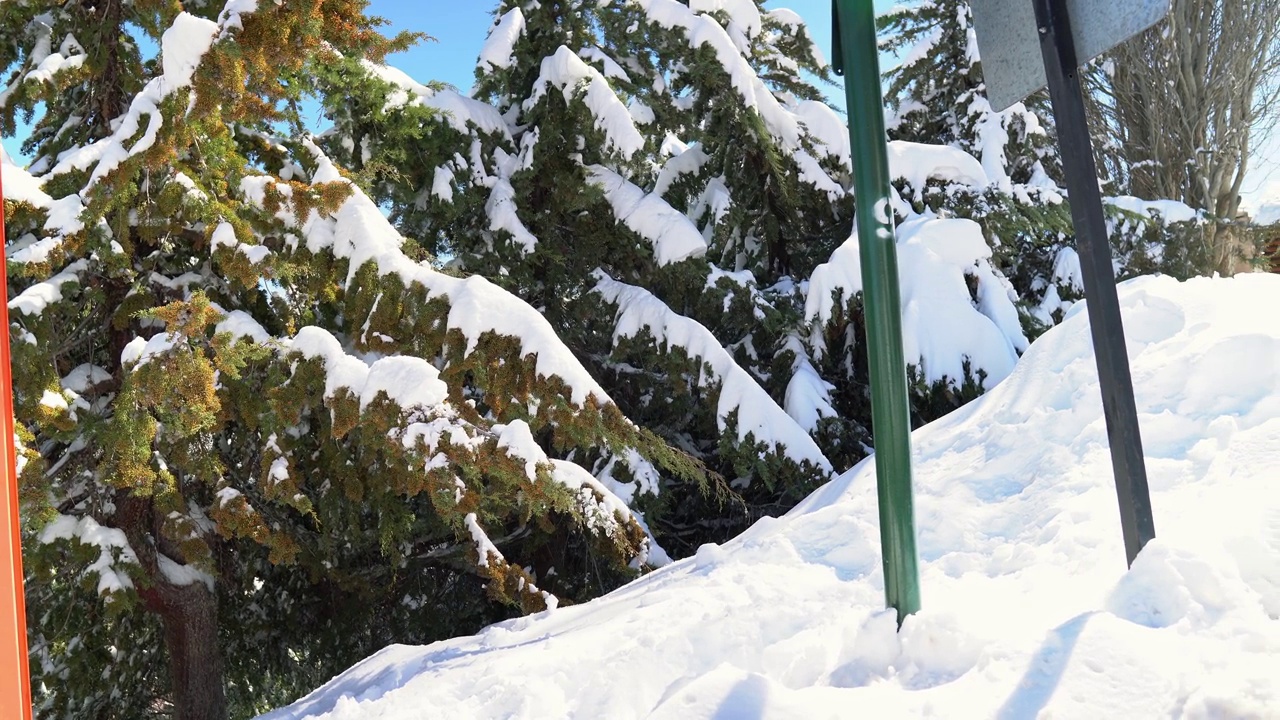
{"x":1181,"y":105}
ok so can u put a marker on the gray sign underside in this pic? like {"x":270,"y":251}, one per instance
{"x":1010,"y":44}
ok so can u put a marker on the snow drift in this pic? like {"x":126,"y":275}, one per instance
{"x":1028,"y":608}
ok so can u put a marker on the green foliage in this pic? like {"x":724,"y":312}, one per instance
{"x":939,"y":97}
{"x":182,"y":439}
{"x":197,"y":349}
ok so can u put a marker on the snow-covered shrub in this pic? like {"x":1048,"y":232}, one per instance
{"x":263,"y":438}
{"x":1009,"y":183}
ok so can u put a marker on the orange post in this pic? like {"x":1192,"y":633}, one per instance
{"x":15,"y":681}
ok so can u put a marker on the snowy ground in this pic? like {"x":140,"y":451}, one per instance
{"x":1028,"y":609}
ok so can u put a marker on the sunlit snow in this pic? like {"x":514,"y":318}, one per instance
{"x":1028,"y":607}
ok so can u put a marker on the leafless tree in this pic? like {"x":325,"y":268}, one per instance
{"x":1182,"y":103}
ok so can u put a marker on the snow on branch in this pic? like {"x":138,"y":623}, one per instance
{"x":62,"y":215}
{"x":1167,"y":211}
{"x":416,"y":388}
{"x":674,"y":237}
{"x":828,"y":130}
{"x":113,"y":546}
{"x":360,"y":234}
{"x":485,"y":549}
{"x":460,"y":111}
{"x":408,"y":381}
{"x":36,"y":298}
{"x":499,"y":47}
{"x":569,"y":73}
{"x":812,"y":173}
{"x":229,"y":19}
{"x":20,"y":185}
{"x":501,"y":207}
{"x":744,"y":19}
{"x":688,"y":161}
{"x":757,"y":413}
{"x":808,"y":397}
{"x":602,"y":510}
{"x":917,"y":163}
{"x":703,"y":31}
{"x":494,"y":566}
{"x":182,"y":47}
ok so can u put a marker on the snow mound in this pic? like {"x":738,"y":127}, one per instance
{"x":1028,"y":608}
{"x":1171,"y":211}
{"x":943,"y":327}
{"x":918,"y":163}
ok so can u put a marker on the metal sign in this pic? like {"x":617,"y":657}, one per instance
{"x":1054,"y":27}
{"x":1010,"y":46}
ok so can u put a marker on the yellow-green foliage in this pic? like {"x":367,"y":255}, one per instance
{"x":323,"y":522}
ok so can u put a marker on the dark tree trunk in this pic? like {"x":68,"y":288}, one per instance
{"x":189,"y":614}
{"x":109,"y":98}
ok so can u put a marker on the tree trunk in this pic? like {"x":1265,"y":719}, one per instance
{"x":1182,"y":104}
{"x":189,"y":614}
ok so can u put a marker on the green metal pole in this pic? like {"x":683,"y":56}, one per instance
{"x":857,"y":57}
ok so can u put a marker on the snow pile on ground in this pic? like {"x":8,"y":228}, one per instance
{"x":1028,"y":608}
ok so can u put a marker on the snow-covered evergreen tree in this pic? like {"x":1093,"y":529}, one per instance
{"x":670,"y":191}
{"x":938,"y":97}
{"x":614,"y":299}
{"x":710,"y":190}
{"x":263,"y":438}
{"x":575,"y":207}
{"x":758,"y":162}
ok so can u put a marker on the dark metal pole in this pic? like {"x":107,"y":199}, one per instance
{"x":1061,"y":68}
{"x":857,"y":57}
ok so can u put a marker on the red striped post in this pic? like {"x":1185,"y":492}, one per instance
{"x":15,"y":681}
